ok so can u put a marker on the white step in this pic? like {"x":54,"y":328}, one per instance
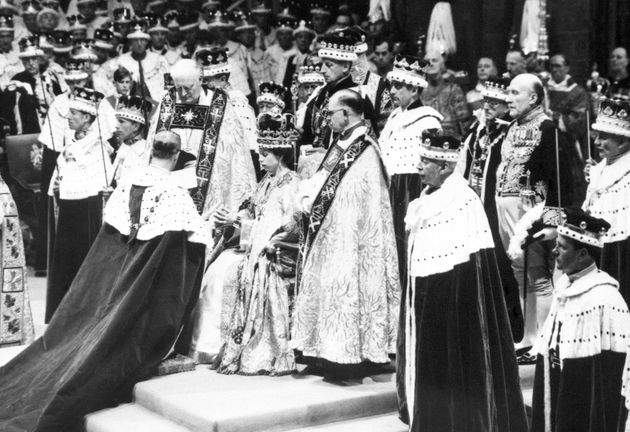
{"x":206,"y":401}
{"x":380,"y":423}
{"x":130,"y":418}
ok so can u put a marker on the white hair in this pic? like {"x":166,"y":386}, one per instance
{"x":185,"y":70}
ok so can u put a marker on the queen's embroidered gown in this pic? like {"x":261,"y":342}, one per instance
{"x":240,"y":290}
{"x":16,"y":322}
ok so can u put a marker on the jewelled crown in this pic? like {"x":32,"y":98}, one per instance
{"x":440,"y":147}
{"x":337,"y":46}
{"x":45,"y":42}
{"x":272,"y":93}
{"x":582,"y":227}
{"x":409,"y":70}
{"x":6,"y":24}
{"x":29,"y":47}
{"x":287,"y":15}
{"x":103,"y":38}
{"x":613,"y":117}
{"x":276,"y":132}
{"x":84,"y":50}
{"x":85,"y":99}
{"x":310,"y":74}
{"x":213,"y":61}
{"x":74,"y":71}
{"x":285,"y":25}
{"x":133,"y":108}
{"x":496,"y":88}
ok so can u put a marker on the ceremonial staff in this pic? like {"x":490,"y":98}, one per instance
{"x":107,"y":190}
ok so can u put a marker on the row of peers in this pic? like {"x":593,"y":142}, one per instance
{"x":438,"y":160}
{"x":561,"y":309}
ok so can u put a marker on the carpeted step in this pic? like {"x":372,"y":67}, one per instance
{"x":130,"y":418}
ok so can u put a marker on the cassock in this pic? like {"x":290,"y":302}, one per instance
{"x":478,"y":162}
{"x":457,"y":370}
{"x":123,"y":312}
{"x":608,"y":197}
{"x":581,"y":354}
{"x":216,"y":136}
{"x":346,"y":310}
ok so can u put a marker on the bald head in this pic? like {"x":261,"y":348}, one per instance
{"x":345,"y":109}
{"x":618,"y":61}
{"x":166,"y":144}
{"x":525,"y":93}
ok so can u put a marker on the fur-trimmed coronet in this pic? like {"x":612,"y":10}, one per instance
{"x":133,"y":108}
{"x":85,"y":99}
{"x":409,"y":70}
{"x":583,"y":228}
{"x":613,"y":117}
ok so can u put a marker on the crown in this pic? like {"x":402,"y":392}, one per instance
{"x":310,"y":74}
{"x":496,"y":88}
{"x":7,"y":6}
{"x":219,"y":20}
{"x":337,"y":46}
{"x":85,"y":100}
{"x":286,"y":15}
{"x":62,"y":42}
{"x":319,"y":9}
{"x":285,"y":24}
{"x":84,"y":50}
{"x":29,"y":47}
{"x":30,"y":8}
{"x":139,"y":31}
{"x":272,"y":93}
{"x":122,"y":15}
{"x":245,"y":22}
{"x":613,"y":117}
{"x":156,"y":23}
{"x":103,"y":38}
{"x":74,"y":71}
{"x":213,"y":61}
{"x":304,"y":28}
{"x":45,"y":42}
{"x":261,"y":8}
{"x":133,"y":108}
{"x":597,"y":84}
{"x":276,"y":132}
{"x":440,"y":147}
{"x":6,"y":23}
{"x":409,"y":70}
{"x":76,"y":22}
{"x":582,"y":227}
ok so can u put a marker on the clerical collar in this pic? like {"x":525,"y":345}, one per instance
{"x":415,"y":104}
{"x":348,"y":131}
{"x":577,"y":275}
